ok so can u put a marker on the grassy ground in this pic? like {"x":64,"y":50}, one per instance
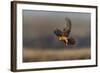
{"x":30,"y":55}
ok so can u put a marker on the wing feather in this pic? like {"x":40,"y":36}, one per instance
{"x":58,"y":32}
{"x":67,"y":29}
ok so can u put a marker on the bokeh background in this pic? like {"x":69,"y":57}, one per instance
{"x":40,"y":42}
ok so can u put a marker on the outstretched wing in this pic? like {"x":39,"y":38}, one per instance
{"x":58,"y":32}
{"x":67,"y":29}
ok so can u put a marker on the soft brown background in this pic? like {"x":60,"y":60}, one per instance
{"x":39,"y":26}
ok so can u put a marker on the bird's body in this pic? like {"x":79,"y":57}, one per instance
{"x":63,"y":38}
{"x":64,"y":35}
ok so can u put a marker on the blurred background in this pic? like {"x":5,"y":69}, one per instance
{"x":38,"y":34}
{"x":39,"y":26}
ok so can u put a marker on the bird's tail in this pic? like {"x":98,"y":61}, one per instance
{"x":71,"y":41}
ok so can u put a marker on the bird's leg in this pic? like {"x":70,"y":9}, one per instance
{"x":66,"y":41}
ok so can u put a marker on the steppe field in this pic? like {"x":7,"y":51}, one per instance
{"x":36,"y":55}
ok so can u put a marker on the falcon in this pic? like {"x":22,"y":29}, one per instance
{"x":64,"y":35}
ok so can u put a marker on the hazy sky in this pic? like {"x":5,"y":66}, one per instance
{"x":44,"y":22}
{"x":41,"y":24}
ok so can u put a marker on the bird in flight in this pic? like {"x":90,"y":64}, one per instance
{"x":64,"y":35}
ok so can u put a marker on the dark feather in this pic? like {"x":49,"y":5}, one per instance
{"x":71,"y":41}
{"x":67,"y":29}
{"x":58,"y":32}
